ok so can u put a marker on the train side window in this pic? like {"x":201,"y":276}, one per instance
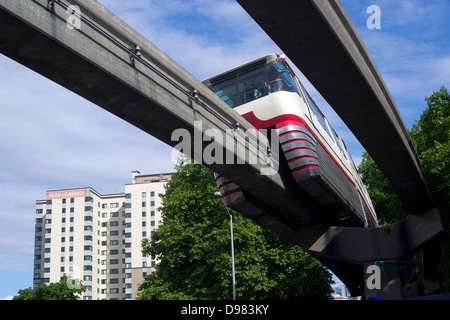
{"x":338,"y":142}
{"x":251,"y":86}
{"x":227,"y":92}
{"x":317,"y":112}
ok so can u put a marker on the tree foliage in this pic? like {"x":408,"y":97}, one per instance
{"x":53,"y":291}
{"x":431,"y":137}
{"x":193,"y":246}
{"x":387,"y":205}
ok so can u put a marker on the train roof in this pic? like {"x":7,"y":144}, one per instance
{"x":242,"y":68}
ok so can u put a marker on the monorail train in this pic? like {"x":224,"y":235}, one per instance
{"x":269,"y":95}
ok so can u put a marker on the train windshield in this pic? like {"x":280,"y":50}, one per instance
{"x":247,"y":86}
{"x":278,"y":78}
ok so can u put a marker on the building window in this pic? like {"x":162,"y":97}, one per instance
{"x":114,"y":205}
{"x":113,"y":290}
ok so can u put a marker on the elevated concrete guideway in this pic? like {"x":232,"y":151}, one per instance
{"x":99,"y":61}
{"x":111,"y":65}
{"x":320,"y":39}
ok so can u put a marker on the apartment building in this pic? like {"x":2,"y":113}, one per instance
{"x":97,"y":238}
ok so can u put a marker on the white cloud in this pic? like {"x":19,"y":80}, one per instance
{"x":51,"y":138}
{"x":213,"y":35}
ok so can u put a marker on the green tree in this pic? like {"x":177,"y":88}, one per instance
{"x":193,"y":246}
{"x":53,"y":291}
{"x":431,"y":137}
{"x":387,"y":205}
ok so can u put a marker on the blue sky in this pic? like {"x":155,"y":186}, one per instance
{"x":52,"y":139}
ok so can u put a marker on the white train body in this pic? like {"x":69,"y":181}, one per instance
{"x":268,"y":94}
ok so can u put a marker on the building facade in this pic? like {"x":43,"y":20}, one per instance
{"x":97,"y":238}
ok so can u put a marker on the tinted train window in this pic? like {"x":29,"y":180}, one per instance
{"x":317,"y":112}
{"x":242,"y":89}
{"x":251,"y":86}
{"x":338,"y":142}
{"x":227,"y":92}
{"x":279,"y":79}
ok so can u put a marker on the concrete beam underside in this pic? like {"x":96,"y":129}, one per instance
{"x":322,"y":42}
{"x":90,"y":66}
